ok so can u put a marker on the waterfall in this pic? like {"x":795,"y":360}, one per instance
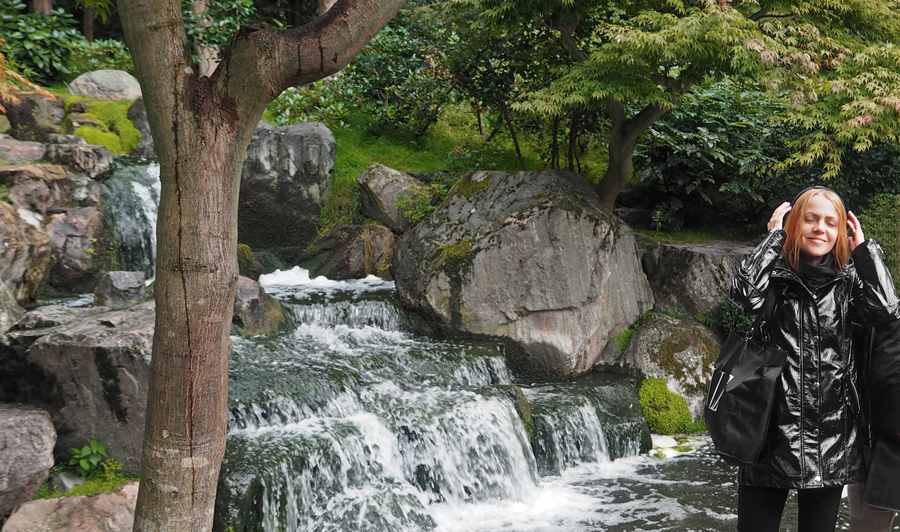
{"x":130,"y":202}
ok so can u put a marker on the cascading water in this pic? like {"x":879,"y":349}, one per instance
{"x":131,"y":201}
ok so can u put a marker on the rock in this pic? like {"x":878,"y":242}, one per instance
{"x":74,"y":121}
{"x":106,"y":85}
{"x":17,"y":151}
{"x":117,"y":289}
{"x":5,"y":126}
{"x":693,"y":279}
{"x":25,"y":255}
{"x":351,"y":251}
{"x":27,"y":438}
{"x":82,"y":245}
{"x":681,"y":352}
{"x":255,"y":311}
{"x":379,"y":187}
{"x":284,"y":184}
{"x":93,"y":161}
{"x":35,"y":117}
{"x":635,"y":217}
{"x":36,"y":187}
{"x":65,"y":482}
{"x":89,"y":368}
{"x":138,"y":116}
{"x":10,"y":311}
{"x":533,"y":257}
{"x":79,"y":106}
{"x":107,"y":512}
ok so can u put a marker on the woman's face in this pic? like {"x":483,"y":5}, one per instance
{"x":819,"y":231}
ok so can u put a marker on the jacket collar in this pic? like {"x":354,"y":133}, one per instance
{"x":781,"y":271}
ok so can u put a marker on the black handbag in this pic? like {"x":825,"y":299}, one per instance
{"x":741,"y":393}
{"x":881,"y":482}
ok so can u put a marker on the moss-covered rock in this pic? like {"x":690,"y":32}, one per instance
{"x":666,"y":412}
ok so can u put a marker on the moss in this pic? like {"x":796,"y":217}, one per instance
{"x":467,"y":188}
{"x":245,"y":260}
{"x":665,"y":412}
{"x":92,"y":135}
{"x":683,"y":448}
{"x":455,"y":260}
{"x":678,"y":343}
{"x":115,"y":116}
{"x":523,"y":407}
{"x":623,"y":339}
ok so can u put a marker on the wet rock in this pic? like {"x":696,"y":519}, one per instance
{"x":27,"y":438}
{"x":117,"y":289}
{"x":93,"y":161}
{"x":379,"y":187}
{"x":18,"y":151}
{"x":106,"y":85}
{"x":65,"y":481}
{"x":25,"y":255}
{"x":35,"y":116}
{"x":138,"y":116}
{"x":284,"y":184}
{"x":531,"y":256}
{"x":681,"y":352}
{"x":255,"y":311}
{"x":693,"y":279}
{"x":82,"y":245}
{"x":352,"y":251}
{"x":89,"y":368}
{"x":109,"y":512}
{"x":10,"y":311}
{"x":36,"y":187}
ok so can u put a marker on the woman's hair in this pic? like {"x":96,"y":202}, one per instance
{"x":794,"y":224}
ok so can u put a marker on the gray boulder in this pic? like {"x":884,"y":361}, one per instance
{"x":25,"y":254}
{"x":10,"y":311}
{"x":107,"y":512}
{"x":89,"y":368}
{"x":65,"y":481}
{"x":379,"y":188}
{"x":117,"y":289}
{"x":255,"y":311}
{"x":284,"y":184}
{"x":137,"y":113}
{"x":351,"y":251}
{"x":27,"y":438}
{"x":693,"y":279}
{"x":682,"y":352}
{"x":20,"y":151}
{"x":93,"y":161}
{"x":531,"y":256}
{"x":106,"y":85}
{"x":36,"y":187}
{"x":82,"y":245}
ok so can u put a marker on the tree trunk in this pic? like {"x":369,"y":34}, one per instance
{"x":208,"y":53}
{"x":554,"y":145}
{"x":87,"y":24}
{"x":512,"y":132}
{"x":44,"y":7}
{"x":201,"y":127}
{"x":625,"y":133}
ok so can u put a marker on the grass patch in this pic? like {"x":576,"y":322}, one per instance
{"x":109,"y":480}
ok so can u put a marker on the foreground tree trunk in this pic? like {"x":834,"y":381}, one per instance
{"x":201,"y":127}
{"x":44,"y":7}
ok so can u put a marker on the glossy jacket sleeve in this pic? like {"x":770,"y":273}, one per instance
{"x":748,"y":289}
{"x":874,"y":296}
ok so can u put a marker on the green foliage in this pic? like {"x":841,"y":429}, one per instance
{"x":117,"y":132}
{"x":734,"y":318}
{"x":623,"y":338}
{"x":322,"y":101}
{"x":88,"y":458}
{"x":108,"y":54}
{"x":105,"y":479}
{"x":665,"y":412}
{"x":881,"y":221}
{"x":37,"y":46}
{"x":422,"y":202}
{"x":217,"y":25}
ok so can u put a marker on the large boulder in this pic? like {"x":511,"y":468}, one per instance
{"x":69,"y":150}
{"x":255,"y":311}
{"x":118,"y":289}
{"x":27,"y":438}
{"x":106,"y":85}
{"x":379,"y":188}
{"x":35,"y":117}
{"x":534,"y":257}
{"x":36,"y":187}
{"x":83,"y":247}
{"x":693,"y":279}
{"x":284,"y":184}
{"x":25,"y":254}
{"x":681,"y":352}
{"x":10,"y":311}
{"x":107,"y":512}
{"x":20,"y":151}
{"x":89,"y":368}
{"x":351,"y":251}
{"x":137,"y":113}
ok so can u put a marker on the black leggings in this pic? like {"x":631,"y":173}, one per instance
{"x":760,"y":509}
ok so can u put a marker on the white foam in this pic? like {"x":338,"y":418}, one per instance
{"x":296,"y":276}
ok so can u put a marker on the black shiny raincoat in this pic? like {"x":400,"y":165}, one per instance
{"x":812,"y":439}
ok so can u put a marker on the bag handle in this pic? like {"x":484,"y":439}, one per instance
{"x":761,"y":324}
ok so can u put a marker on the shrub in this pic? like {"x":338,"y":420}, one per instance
{"x":734,"y":318}
{"x":322,"y":101}
{"x":665,"y":412}
{"x":38,"y":46}
{"x":99,"y":55}
{"x":881,"y":221}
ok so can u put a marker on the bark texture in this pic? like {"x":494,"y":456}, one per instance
{"x":201,"y":127}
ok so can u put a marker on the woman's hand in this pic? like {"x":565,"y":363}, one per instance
{"x":777,"y":218}
{"x":855,"y":227}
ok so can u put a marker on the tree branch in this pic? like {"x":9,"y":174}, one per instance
{"x":566,"y":30}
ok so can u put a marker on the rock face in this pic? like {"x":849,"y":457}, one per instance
{"x":10,"y":311}
{"x":352,"y":251}
{"x":19,"y":151}
{"x":36,"y":187}
{"x":682,"y":352}
{"x":117,"y":289}
{"x":379,"y":187}
{"x":137,"y":113}
{"x":531,"y":256}
{"x":27,"y":438}
{"x":693,"y":279}
{"x":35,"y":117}
{"x":74,"y":152}
{"x":284,"y":184}
{"x":25,"y":254}
{"x":106,"y":85}
{"x":108,"y":512}
{"x":255,"y":311}
{"x":89,"y":368}
{"x":82,"y":245}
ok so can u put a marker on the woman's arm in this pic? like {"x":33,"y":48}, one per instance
{"x":874,"y":296}
{"x":749,"y":287}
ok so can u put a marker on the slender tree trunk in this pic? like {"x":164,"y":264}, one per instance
{"x":512,"y":132}
{"x":201,"y":127}
{"x":87,"y":24}
{"x":44,"y":7}
{"x":480,"y":113}
{"x":208,"y":54}
{"x":573,"y":138}
{"x":554,"y":146}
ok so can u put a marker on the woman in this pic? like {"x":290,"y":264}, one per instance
{"x":812,"y":440}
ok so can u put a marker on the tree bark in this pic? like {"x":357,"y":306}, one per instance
{"x":87,"y":24}
{"x":201,"y":127}
{"x":512,"y":132}
{"x":44,"y":7}
{"x":621,"y":143}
